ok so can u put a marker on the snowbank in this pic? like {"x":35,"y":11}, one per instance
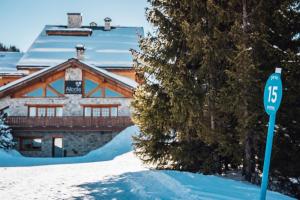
{"x":119,"y":145}
{"x":119,"y":175}
{"x":122,"y":178}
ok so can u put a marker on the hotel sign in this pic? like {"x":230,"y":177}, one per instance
{"x":73,"y":87}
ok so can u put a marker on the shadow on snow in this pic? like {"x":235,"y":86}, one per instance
{"x":156,"y":184}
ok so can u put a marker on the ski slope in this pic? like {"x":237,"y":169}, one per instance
{"x":112,"y":172}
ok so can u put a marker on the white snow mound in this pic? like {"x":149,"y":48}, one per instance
{"x":121,"y":144}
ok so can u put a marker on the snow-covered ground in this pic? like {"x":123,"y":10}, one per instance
{"x":111,"y":172}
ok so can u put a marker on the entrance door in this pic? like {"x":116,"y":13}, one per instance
{"x":57,"y":147}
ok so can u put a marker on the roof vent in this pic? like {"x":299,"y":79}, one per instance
{"x":93,"y":24}
{"x":74,"y":20}
{"x":107,"y":25}
{"x":80,"y":51}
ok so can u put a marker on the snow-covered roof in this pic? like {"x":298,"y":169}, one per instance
{"x":59,"y":28}
{"x":19,"y":82}
{"x":8,"y":62}
{"x":122,"y":79}
{"x":108,"y":49}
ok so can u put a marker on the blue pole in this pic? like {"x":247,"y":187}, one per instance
{"x":268,"y":151}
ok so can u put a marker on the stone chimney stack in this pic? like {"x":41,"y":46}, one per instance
{"x":74,"y":20}
{"x":107,"y":22}
{"x":80,"y":51}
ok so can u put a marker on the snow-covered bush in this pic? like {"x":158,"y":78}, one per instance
{"x":6,"y":139}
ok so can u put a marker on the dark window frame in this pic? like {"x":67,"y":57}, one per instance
{"x":46,"y":109}
{"x":22,"y":138}
{"x":101,"y":106}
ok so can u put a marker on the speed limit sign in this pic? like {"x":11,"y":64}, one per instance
{"x":272,"y":100}
{"x":273,"y":93}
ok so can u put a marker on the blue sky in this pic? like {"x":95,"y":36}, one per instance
{"x":22,"y":20}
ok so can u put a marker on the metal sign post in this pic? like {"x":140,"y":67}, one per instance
{"x":272,"y":100}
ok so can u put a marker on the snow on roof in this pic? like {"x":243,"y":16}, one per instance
{"x":127,"y":81}
{"x":122,"y":79}
{"x":8,"y":62}
{"x":59,"y":28}
{"x":21,"y":80}
{"x":9,"y":72}
{"x":108,"y":49}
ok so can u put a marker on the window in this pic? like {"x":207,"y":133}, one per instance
{"x":101,"y":111}
{"x":49,"y":93}
{"x":45,"y":111}
{"x":58,"y":85}
{"x":114,"y":111}
{"x":87,"y":111}
{"x":59,"y":112}
{"x":35,"y":93}
{"x":32,"y":111}
{"x":53,"y":89}
{"x":93,"y":89}
{"x":89,"y":85}
{"x":31,"y":144}
{"x":98,"y":93}
{"x":50,"y":112}
{"x":105,"y":112}
{"x":96,"y":112}
{"x":41,"y":112}
{"x":111,"y":93}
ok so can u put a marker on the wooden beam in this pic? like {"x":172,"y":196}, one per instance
{"x":54,"y":91}
{"x":94,"y":90}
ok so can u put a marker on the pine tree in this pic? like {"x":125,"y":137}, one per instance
{"x":265,"y":40}
{"x":200,"y":105}
{"x":10,"y":48}
{"x":6,"y":139}
{"x":178,"y":110}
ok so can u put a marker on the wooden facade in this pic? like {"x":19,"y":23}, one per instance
{"x":5,"y":79}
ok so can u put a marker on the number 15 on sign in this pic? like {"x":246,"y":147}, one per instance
{"x":272,"y":93}
{"x":272,"y":100}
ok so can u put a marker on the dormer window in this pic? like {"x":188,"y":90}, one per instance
{"x":93,"y":24}
{"x":74,"y":27}
{"x":63,"y":31}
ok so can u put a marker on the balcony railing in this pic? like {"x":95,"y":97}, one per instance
{"x":69,"y":122}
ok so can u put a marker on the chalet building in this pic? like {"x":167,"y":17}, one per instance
{"x":70,"y":93}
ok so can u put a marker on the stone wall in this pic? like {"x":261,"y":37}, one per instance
{"x":73,"y":74}
{"x":75,"y":143}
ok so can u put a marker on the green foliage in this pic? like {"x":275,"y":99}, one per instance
{"x":6,"y":139}
{"x":200,"y":106}
{"x":10,"y":48}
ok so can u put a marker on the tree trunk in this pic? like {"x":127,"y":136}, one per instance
{"x":212,"y":122}
{"x":245,"y":15}
{"x":249,"y":165}
{"x":248,"y":161}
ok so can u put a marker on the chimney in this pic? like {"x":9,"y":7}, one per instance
{"x":107,"y":25}
{"x":74,"y":20}
{"x":80,"y":51}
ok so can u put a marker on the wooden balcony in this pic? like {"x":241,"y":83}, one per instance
{"x":66,"y":122}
